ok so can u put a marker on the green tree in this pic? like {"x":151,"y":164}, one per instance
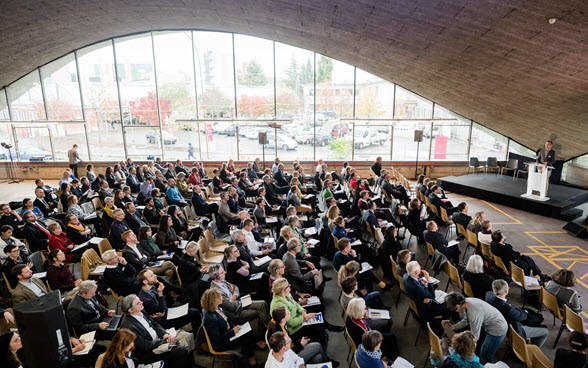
{"x":306,"y":72}
{"x":340,"y":147}
{"x":182,"y":104}
{"x":215,"y":104}
{"x":251,"y":74}
{"x":324,"y":72}
{"x":292,"y":72}
{"x":369,"y":105}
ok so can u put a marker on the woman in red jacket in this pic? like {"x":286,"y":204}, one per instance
{"x":58,"y":240}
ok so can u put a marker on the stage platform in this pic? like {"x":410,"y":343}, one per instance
{"x":505,"y":191}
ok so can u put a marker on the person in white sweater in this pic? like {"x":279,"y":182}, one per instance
{"x":280,"y":355}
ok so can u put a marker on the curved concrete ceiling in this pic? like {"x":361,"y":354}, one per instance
{"x":498,"y":62}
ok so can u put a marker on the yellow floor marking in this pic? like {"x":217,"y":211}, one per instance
{"x":506,"y":214}
{"x":586,"y":274}
{"x":584,"y":314}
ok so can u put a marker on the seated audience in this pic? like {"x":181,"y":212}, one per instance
{"x":293,"y":273}
{"x":507,"y":254}
{"x":517,"y":317}
{"x":133,"y":218}
{"x":58,"y":240}
{"x":117,"y":228}
{"x":390,"y":248}
{"x":10,"y":217}
{"x":438,"y":241}
{"x":474,"y":274}
{"x":350,"y":291}
{"x":119,"y":351}
{"x":166,"y":237}
{"x":369,"y":354}
{"x":119,"y":276}
{"x":464,"y":350}
{"x":560,"y":285}
{"x":402,"y":260}
{"x":475,"y":224}
{"x":485,"y":235}
{"x":85,"y":313}
{"x":14,"y":257}
{"x":28,"y":287}
{"x":36,"y":233}
{"x":173,"y":195}
{"x":58,"y":274}
{"x":422,"y":292}
{"x":77,"y":232}
{"x":6,"y":238}
{"x":140,"y":259}
{"x":191,"y":273}
{"x":576,"y":355}
{"x":461,"y":217}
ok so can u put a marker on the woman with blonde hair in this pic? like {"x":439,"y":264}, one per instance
{"x":475,"y":224}
{"x":118,"y":353}
{"x":190,"y":272}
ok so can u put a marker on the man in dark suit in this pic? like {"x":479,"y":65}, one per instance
{"x":10,"y":217}
{"x":251,"y":172}
{"x":507,"y":254}
{"x":150,"y":336}
{"x":137,"y":257}
{"x":117,"y":228}
{"x":422,"y":292}
{"x":35,"y":232}
{"x":119,"y":276}
{"x":85,"y":314}
{"x":97,"y":184}
{"x":181,"y":168}
{"x":14,"y":257}
{"x":134,"y":218}
{"x":546,"y":155}
{"x":461,"y":217}
{"x":436,"y":201}
{"x":513,"y":315}
{"x":439,"y":242}
{"x":279,"y":176}
{"x":133,"y":181}
{"x":150,"y":213}
{"x":49,"y":192}
{"x":41,"y":203}
{"x":202,"y":207}
{"x":398,"y":191}
{"x":105,"y":191}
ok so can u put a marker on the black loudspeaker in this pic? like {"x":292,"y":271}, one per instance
{"x":576,"y":230}
{"x":418,"y":135}
{"x":43,"y":330}
{"x":263,"y":138}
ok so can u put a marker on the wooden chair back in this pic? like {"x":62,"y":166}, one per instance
{"x":435,"y":343}
{"x":414,"y":308}
{"x":444,"y":216}
{"x":498,"y":262}
{"x":396,"y":275}
{"x":97,"y":203}
{"x":519,"y":346}
{"x":467,"y":289}
{"x":104,"y":245}
{"x":90,"y":259}
{"x":336,"y":241}
{"x":539,"y":360}
{"x":453,"y":275}
{"x":430,"y":249}
{"x":573,"y":320}
{"x":550,"y":302}
{"x":210,"y":348}
{"x":461,"y":230}
{"x":472,"y":238}
{"x":486,"y":250}
{"x":10,"y":289}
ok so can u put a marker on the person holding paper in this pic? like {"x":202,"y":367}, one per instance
{"x":517,"y":317}
{"x":422,"y":293}
{"x":77,"y":232}
{"x":238,"y":270}
{"x":58,"y":274}
{"x":221,"y":330}
{"x":134,"y":254}
{"x":346,"y":254}
{"x":58,"y":240}
{"x":293,"y":271}
{"x":152,"y":343}
{"x":276,"y":271}
{"x":358,"y":324}
{"x":311,"y":352}
{"x":86,"y":314}
{"x":191,"y":273}
{"x":439,"y":242}
{"x":154,"y":303}
{"x":257,"y":249}
{"x":298,"y":315}
{"x":237,"y":312}
{"x":339,"y":230}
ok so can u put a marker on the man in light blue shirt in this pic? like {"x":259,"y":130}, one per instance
{"x":173,"y":194}
{"x":146,"y":187}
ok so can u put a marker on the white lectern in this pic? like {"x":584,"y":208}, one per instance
{"x":537,"y":181}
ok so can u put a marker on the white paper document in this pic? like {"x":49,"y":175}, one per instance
{"x":452,"y":243}
{"x":96,"y":240}
{"x":256,"y":276}
{"x":318,"y":279}
{"x":313,"y":242}
{"x":314,"y":321}
{"x":89,"y":342}
{"x":80,"y":246}
{"x":177,"y":312}
{"x":93,"y":215}
{"x":365,"y":267}
{"x":40,"y":275}
{"x":308,"y":196}
{"x":183,"y":244}
{"x":99,"y":269}
{"x":402,"y":363}
{"x":310,"y":231}
{"x":378,"y":313}
{"x":440,"y":296}
{"x":246,"y":301}
{"x":357,"y":242}
{"x":166,"y":256}
{"x":261,"y":261}
{"x":244,"y":329}
{"x":530,"y":281}
{"x":271,"y":220}
{"x":313,"y":300}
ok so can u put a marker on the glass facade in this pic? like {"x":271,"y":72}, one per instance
{"x":207,"y":95}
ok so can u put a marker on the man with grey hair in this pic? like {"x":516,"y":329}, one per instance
{"x":478,"y":315}
{"x":422,"y":292}
{"x":152,"y":342}
{"x":233,"y":306}
{"x":85,"y":313}
{"x":293,"y":272}
{"x":117,"y":228}
{"x":517,"y":317}
{"x":120,"y":276}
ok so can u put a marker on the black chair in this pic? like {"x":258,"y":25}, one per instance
{"x":474,"y":164}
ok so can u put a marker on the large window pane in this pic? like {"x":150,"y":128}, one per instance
{"x":254,"y":60}
{"x":62,"y":91}
{"x":6,"y":137}
{"x":177,"y":100}
{"x":214,"y":75}
{"x":65,"y":136}
{"x":520,"y":149}
{"x":26,"y":98}
{"x":219,"y":141}
{"x":134,"y":58}
{"x":33,"y":143}
{"x":412,"y":106}
{"x":375,"y":96}
{"x":450,"y":138}
{"x":405,"y":148}
{"x":249,"y":147}
{"x":100,"y":95}
{"x":295,"y":81}
{"x":371,"y":140}
{"x":487,"y":143}
{"x":145,"y":141}
{"x":4,"y":115}
{"x":334,"y":100}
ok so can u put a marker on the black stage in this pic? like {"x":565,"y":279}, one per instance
{"x":505,"y":191}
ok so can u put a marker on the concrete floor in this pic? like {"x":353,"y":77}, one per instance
{"x":537,"y":236}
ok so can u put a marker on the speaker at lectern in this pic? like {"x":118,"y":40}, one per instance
{"x":43,"y":331}
{"x":538,"y":181}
